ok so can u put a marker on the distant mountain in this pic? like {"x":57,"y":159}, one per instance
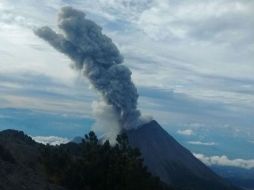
{"x":173,"y":163}
{"x":238,"y":176}
{"x":77,"y":139}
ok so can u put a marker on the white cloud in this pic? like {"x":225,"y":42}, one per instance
{"x":187,"y":132}
{"x":41,"y":92}
{"x":202,"y":143}
{"x":51,"y":140}
{"x":203,"y":20}
{"x":225,"y":161}
{"x":170,"y":60}
{"x":187,"y":46}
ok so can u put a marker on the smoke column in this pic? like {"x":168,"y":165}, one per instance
{"x":101,"y":62}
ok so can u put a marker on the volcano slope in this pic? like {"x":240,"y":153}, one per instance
{"x":174,"y":164}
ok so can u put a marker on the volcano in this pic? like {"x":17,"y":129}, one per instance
{"x":174,"y":164}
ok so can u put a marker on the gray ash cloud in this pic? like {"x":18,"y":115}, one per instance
{"x":99,"y":59}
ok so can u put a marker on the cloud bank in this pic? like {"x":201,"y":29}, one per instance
{"x":225,"y":161}
{"x":51,"y":140}
{"x":186,"y":132}
{"x":202,"y":143}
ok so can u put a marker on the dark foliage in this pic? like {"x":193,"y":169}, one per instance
{"x":5,"y":155}
{"x":18,"y":135}
{"x":97,"y":166}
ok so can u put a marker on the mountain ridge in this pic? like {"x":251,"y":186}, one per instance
{"x":178,"y":168}
{"x":90,"y":165}
{"x":174,"y":164}
{"x":19,"y":163}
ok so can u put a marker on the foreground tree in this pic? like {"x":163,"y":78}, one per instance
{"x":92,"y":165}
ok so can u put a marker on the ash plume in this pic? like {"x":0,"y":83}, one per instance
{"x":99,"y":59}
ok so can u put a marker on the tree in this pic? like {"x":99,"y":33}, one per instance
{"x":96,"y":166}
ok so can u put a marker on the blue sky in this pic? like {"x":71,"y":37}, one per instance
{"x":192,"y":62}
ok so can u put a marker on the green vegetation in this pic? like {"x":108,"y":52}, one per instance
{"x":98,"y":166}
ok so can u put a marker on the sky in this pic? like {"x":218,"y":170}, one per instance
{"x":191,"y":60}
